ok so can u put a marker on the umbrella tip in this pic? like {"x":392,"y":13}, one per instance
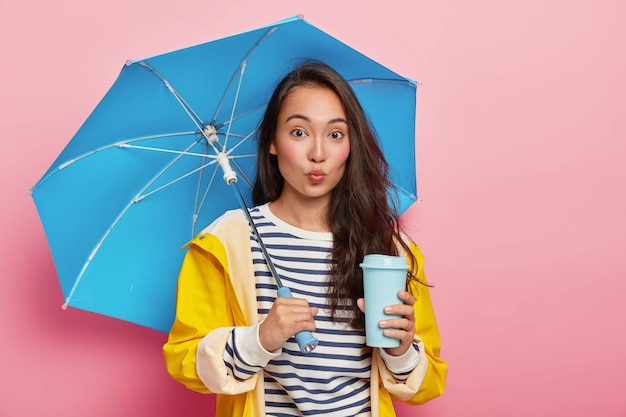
{"x":64,"y":306}
{"x":300,"y":16}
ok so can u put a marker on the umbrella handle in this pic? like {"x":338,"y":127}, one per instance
{"x":305,"y":339}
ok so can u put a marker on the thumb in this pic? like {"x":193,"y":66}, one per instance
{"x":361,"y":304}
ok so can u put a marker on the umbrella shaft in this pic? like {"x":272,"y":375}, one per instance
{"x":305,"y":339}
{"x":266,"y":255}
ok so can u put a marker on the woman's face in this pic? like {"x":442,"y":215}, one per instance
{"x":311,"y":144}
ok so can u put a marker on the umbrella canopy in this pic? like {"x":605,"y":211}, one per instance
{"x":140,"y":177}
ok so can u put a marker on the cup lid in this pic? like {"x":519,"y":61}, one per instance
{"x":384,"y":261}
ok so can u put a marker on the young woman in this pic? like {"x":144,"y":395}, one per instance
{"x":321,"y":196}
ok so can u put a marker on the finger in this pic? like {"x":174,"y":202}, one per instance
{"x":291,"y":301}
{"x":402,"y":335}
{"x":406,"y":297}
{"x":401,"y":324}
{"x":288,"y":321}
{"x":291,"y":310}
{"x":294,"y":305}
{"x":400,"y":310}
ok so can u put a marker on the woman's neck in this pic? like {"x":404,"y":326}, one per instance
{"x":303,"y":215}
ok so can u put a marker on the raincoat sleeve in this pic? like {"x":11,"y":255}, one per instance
{"x":428,"y":379}
{"x":206,"y":313}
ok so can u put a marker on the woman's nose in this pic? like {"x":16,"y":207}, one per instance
{"x":317,"y":152}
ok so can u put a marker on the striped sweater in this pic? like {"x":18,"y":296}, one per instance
{"x":334,"y":378}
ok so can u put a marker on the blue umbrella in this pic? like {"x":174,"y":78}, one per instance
{"x":142,"y":175}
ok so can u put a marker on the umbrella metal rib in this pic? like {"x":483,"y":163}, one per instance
{"x":243,"y":61}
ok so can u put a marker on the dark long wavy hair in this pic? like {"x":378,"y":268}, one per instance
{"x":361,"y":217}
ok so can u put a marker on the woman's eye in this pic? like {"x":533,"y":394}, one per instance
{"x":336,"y":135}
{"x":298,"y":132}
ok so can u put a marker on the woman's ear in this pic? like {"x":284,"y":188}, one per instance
{"x":273,"y":148}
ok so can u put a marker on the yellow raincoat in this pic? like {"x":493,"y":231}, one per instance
{"x":216,"y":292}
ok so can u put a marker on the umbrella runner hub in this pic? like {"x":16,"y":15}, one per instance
{"x":210,"y":133}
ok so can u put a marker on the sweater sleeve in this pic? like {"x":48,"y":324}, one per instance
{"x":402,"y":366}
{"x":244,"y":355}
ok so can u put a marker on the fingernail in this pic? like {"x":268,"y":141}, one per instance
{"x":388,"y":309}
{"x":382,"y":323}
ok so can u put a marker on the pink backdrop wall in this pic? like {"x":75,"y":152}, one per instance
{"x":521,"y":141}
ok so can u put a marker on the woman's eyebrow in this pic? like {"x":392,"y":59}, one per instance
{"x":298,"y":116}
{"x":307,"y":119}
{"x":337,"y":120}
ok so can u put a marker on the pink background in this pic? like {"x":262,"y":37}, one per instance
{"x":521,"y":142}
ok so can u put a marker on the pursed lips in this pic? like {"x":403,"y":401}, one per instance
{"x":316,"y":176}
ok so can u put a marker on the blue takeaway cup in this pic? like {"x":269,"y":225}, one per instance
{"x":383,"y":277}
